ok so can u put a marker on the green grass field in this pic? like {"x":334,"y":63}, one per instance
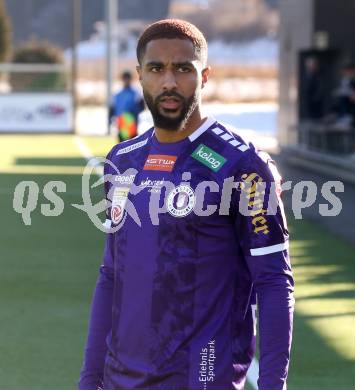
{"x":48,"y":271}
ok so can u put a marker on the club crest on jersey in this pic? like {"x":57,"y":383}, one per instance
{"x":160,"y":162}
{"x":181,"y":201}
{"x":119,"y":200}
{"x":209,"y":157}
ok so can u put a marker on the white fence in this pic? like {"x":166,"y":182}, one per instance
{"x":35,"y":98}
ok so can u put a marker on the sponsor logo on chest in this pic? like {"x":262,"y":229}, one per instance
{"x":152,"y":185}
{"x":128,"y":180}
{"x":160,"y":162}
{"x":209,"y":157}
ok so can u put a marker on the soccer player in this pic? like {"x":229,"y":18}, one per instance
{"x":192,"y":241}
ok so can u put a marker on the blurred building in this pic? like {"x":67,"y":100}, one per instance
{"x":321,"y":29}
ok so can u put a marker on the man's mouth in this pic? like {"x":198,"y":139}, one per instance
{"x":170,"y":103}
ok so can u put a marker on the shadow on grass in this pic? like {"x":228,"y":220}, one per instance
{"x":325,"y":282}
{"x":49,"y":161}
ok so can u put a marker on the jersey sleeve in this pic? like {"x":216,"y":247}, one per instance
{"x":244,"y":344}
{"x":91,"y":375}
{"x":262,"y":233}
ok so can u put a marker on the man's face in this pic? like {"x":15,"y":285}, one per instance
{"x":171,"y":77}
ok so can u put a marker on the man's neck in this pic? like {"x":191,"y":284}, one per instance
{"x":168,"y":136}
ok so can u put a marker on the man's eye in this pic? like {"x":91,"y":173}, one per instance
{"x":155,"y":69}
{"x":184,"y":69}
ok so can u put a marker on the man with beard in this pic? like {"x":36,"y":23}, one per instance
{"x":174,"y":303}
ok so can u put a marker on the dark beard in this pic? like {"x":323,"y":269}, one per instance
{"x":188,"y":106}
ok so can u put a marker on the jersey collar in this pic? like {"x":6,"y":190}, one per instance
{"x":207,"y":124}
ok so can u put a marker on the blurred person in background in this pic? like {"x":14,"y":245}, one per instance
{"x":314,"y":89}
{"x":126,"y":106}
{"x":175,"y":300}
{"x":343,"y":110}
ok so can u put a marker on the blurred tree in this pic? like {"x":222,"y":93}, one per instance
{"x":5,"y":33}
{"x":38,"y":52}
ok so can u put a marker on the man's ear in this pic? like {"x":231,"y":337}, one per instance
{"x":205,"y":75}
{"x":139,"y":72}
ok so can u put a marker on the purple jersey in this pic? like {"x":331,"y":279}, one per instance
{"x":172,"y":309}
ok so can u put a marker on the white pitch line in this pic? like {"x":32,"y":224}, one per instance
{"x":90,"y":158}
{"x":253,"y":374}
{"x":84,"y":150}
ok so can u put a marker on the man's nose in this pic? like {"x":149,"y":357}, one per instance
{"x":169,"y":81}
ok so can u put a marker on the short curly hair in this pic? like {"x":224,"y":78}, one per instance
{"x":173,"y":29}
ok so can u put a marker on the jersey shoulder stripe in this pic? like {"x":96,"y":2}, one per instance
{"x":229,"y":135}
{"x":238,"y":150}
{"x":132,"y":144}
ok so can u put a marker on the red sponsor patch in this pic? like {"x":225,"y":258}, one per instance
{"x":160,"y":162}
